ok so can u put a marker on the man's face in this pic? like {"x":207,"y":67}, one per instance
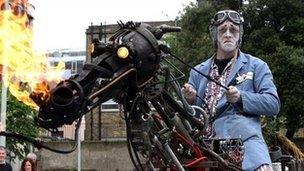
{"x":228,"y":35}
{"x":2,"y":155}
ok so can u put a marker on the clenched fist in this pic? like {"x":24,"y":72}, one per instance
{"x":189,"y":92}
{"x":233,"y":95}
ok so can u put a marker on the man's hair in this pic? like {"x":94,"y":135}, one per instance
{"x":2,"y":148}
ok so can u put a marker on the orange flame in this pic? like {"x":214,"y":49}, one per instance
{"x":25,"y":72}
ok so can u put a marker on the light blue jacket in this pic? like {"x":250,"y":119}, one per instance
{"x":259,"y":97}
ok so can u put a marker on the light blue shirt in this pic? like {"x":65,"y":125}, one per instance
{"x":259,"y":97}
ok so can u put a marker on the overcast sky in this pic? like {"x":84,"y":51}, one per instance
{"x":62,"y":23}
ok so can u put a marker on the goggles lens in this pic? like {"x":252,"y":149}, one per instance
{"x":221,"y":16}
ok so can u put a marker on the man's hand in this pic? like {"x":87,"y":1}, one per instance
{"x":233,"y":95}
{"x":189,"y":92}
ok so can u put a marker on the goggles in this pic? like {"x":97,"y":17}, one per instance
{"x":221,"y":16}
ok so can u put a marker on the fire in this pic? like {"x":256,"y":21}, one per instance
{"x":25,"y":72}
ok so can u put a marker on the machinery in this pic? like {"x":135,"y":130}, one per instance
{"x":163,"y":130}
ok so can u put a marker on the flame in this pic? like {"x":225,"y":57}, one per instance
{"x":25,"y":72}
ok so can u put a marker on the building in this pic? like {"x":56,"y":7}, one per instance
{"x":106,"y":121}
{"x":74,"y":59}
{"x":104,"y":32}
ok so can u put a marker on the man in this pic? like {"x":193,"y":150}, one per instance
{"x":4,"y":166}
{"x":251,"y":91}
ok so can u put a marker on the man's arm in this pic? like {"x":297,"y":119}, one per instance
{"x":265,"y":100}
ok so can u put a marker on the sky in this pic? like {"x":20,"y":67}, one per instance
{"x":62,"y":24}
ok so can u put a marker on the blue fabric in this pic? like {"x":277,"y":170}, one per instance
{"x":259,"y":97}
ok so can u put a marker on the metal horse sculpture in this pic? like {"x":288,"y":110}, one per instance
{"x":163,"y":130}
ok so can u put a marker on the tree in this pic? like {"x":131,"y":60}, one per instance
{"x":193,"y":43}
{"x":274,"y":32}
{"x":20,"y":119}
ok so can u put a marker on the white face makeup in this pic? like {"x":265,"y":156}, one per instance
{"x":228,"y":37}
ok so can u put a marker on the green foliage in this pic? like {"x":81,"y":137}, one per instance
{"x":273,"y":31}
{"x":288,"y":70}
{"x":19,"y":119}
{"x":262,"y":41}
{"x":272,"y":126}
{"x":193,"y":44}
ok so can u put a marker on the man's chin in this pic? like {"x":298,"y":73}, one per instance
{"x":229,"y":48}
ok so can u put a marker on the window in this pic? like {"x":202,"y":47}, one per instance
{"x":54,"y":63}
{"x":79,"y":66}
{"x":110,"y":105}
{"x":68,"y":65}
{"x":57,"y":134}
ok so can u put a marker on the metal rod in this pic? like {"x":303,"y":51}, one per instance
{"x":91,"y":125}
{"x":4,"y":91}
{"x":105,"y":32}
{"x":79,"y":151}
{"x":99,"y":122}
{"x":173,"y":157}
{"x":206,"y":76}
